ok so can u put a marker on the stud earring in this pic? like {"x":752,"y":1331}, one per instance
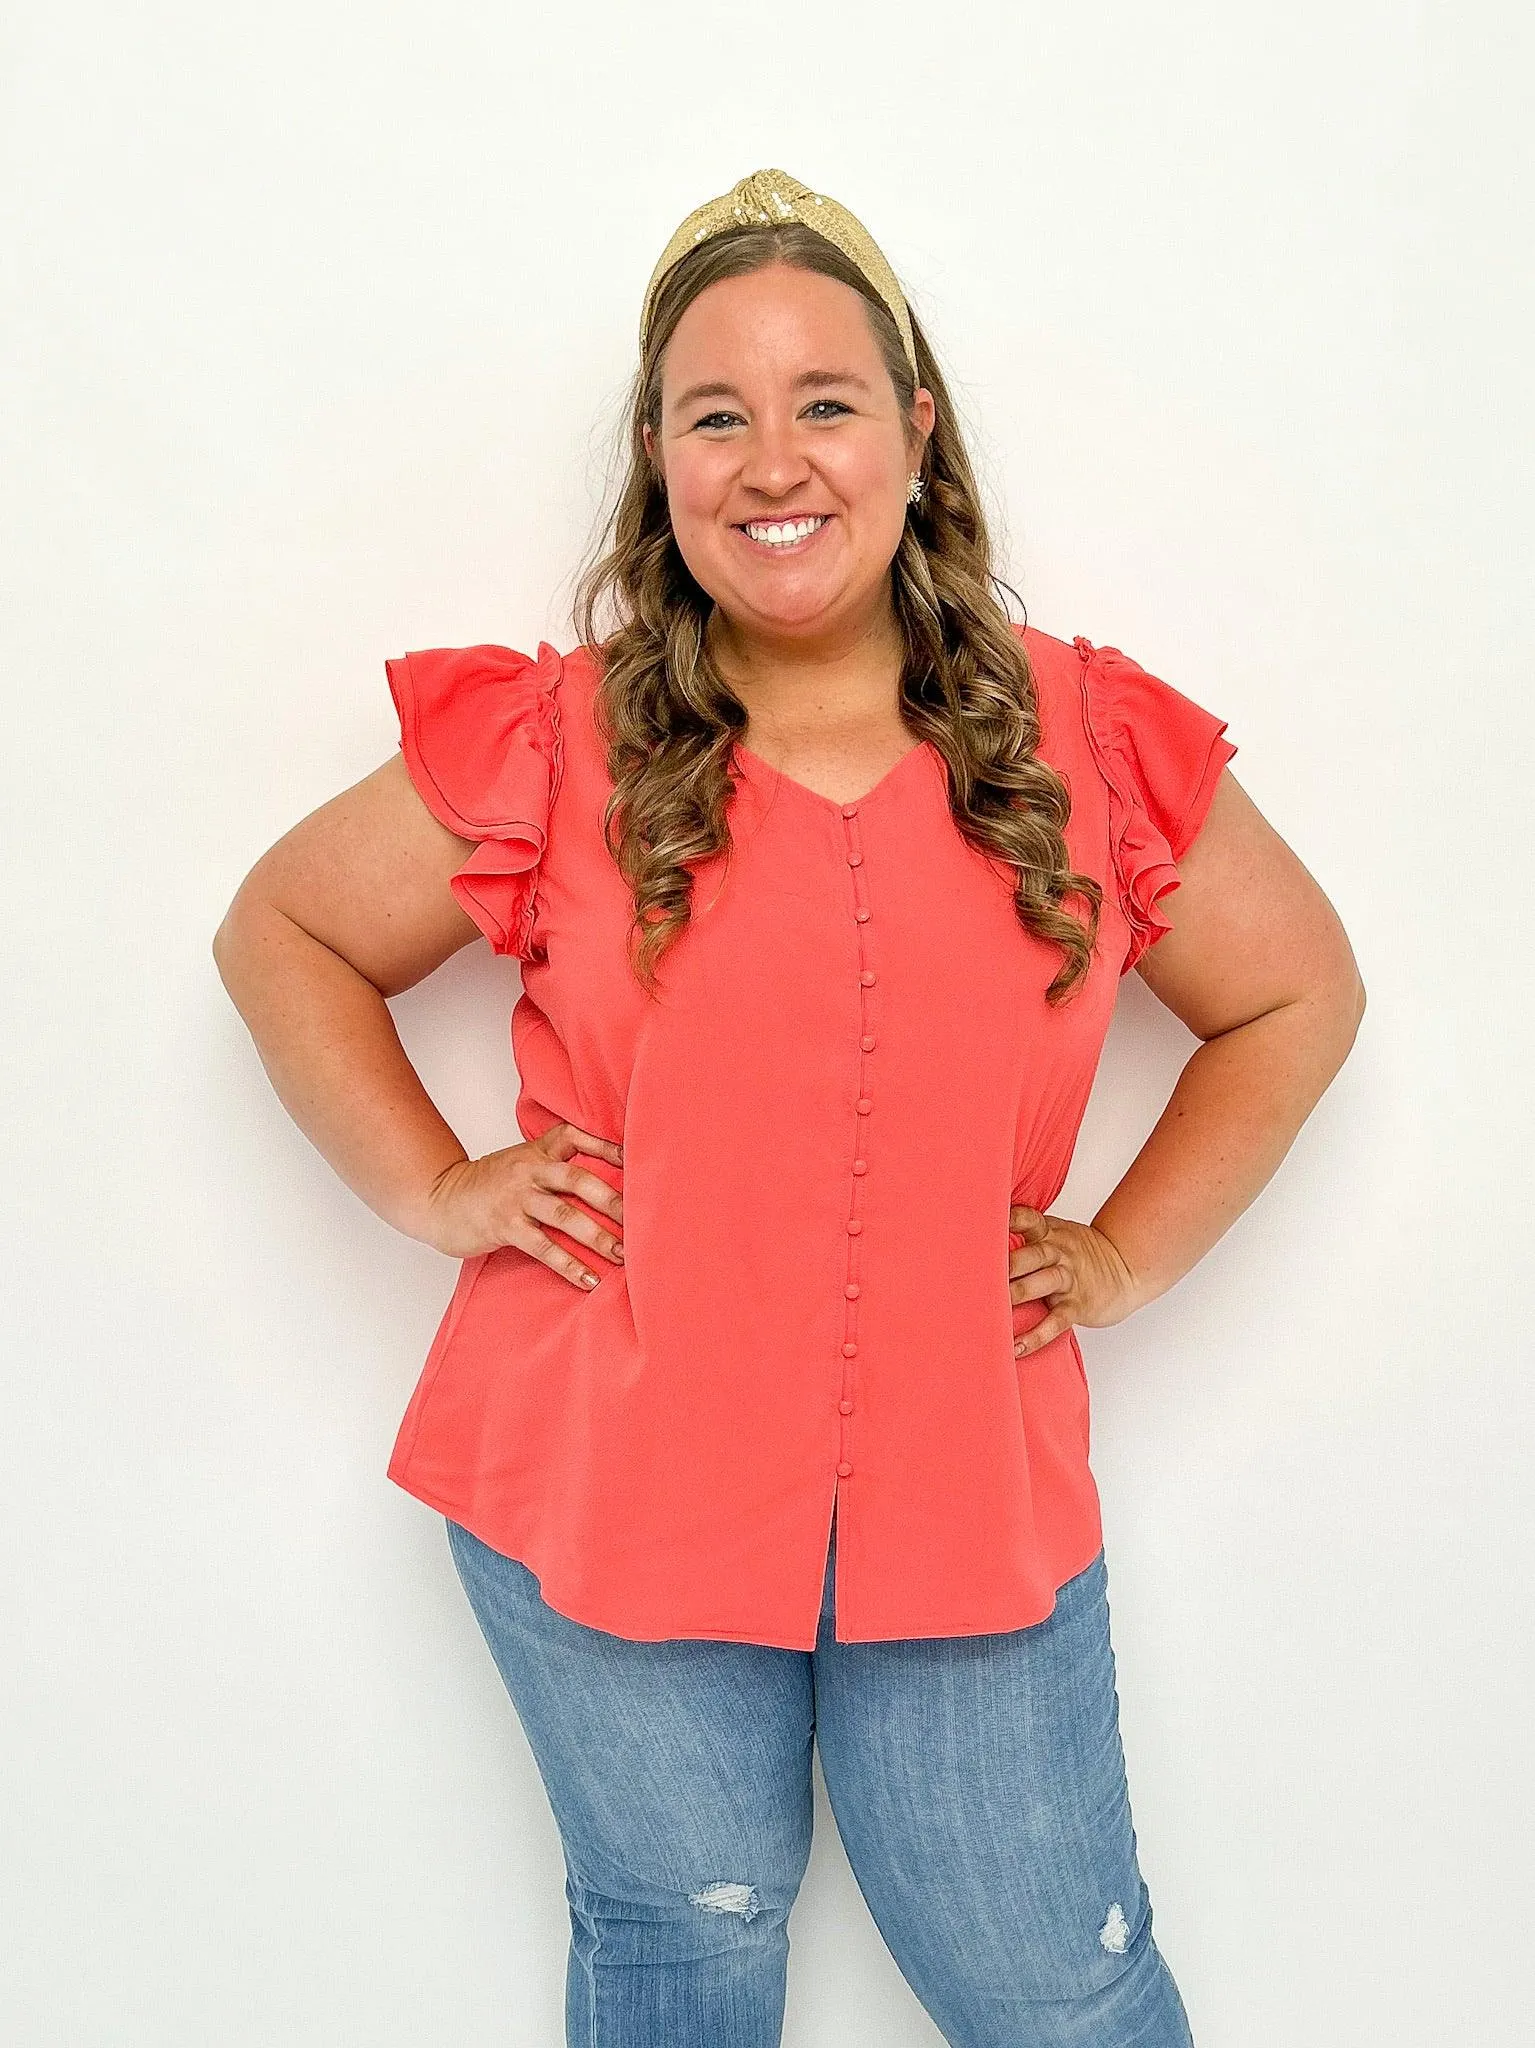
{"x":915,"y":486}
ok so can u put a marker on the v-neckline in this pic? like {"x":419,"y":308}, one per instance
{"x":842,"y":806}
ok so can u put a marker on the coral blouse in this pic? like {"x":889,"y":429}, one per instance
{"x":849,"y":1077}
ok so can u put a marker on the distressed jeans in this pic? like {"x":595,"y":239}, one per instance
{"x":977,"y":1782}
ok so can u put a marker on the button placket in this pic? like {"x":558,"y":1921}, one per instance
{"x":863,"y":1108}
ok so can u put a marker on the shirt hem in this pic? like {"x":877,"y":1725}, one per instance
{"x":920,"y":1632}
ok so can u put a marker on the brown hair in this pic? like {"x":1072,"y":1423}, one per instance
{"x":670,"y":719}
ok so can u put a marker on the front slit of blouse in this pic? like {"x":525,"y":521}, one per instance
{"x":848,"y":1077}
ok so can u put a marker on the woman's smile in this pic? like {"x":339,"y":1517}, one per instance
{"x":783,"y":536}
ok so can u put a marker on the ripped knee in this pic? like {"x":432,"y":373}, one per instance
{"x":1115,"y":1931}
{"x":727,"y":1898}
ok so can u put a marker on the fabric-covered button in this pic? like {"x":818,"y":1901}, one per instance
{"x":845,"y":1407}
{"x":868,"y":977}
{"x":854,"y":1227}
{"x":867,"y":1044}
{"x":852,"y":1290}
{"x":844,"y":1471}
{"x":850,"y":1350}
{"x":860,"y":1166}
{"x":855,"y":860}
{"x":861,"y":916}
{"x":863,"y":1105}
{"x":850,"y":810}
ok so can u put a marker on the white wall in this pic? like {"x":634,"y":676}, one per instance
{"x":316,"y":320}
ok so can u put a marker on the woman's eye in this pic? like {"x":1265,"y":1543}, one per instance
{"x":822,"y":408}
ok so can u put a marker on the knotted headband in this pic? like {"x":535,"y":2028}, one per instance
{"x":767,"y":198}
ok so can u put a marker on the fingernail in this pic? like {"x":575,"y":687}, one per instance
{"x":588,"y":1279}
{"x":618,"y":1251}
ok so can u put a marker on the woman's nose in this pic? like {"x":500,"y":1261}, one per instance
{"x":773,"y":464}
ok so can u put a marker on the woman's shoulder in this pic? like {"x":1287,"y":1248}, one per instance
{"x":1056,"y":669}
{"x":1130,"y":715}
{"x":1044,"y":648}
{"x":1158,"y":752}
{"x":1056,"y":664}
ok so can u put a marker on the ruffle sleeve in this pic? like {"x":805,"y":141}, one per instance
{"x":480,"y":732}
{"x":1161,"y":755}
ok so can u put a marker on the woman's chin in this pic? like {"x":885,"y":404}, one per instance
{"x":786,"y":605}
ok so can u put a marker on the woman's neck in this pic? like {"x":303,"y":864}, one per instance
{"x":846,"y":679}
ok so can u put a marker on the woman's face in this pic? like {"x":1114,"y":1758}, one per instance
{"x":777,"y":408}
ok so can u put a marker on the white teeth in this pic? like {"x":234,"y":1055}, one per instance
{"x":782,"y":536}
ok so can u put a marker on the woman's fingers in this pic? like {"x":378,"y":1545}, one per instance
{"x":550,"y":1200}
{"x":562,"y":1140}
{"x":1045,"y":1332}
{"x":545,"y":1205}
{"x":567,"y":1179}
{"x":1036,"y":1265}
{"x":1037,"y":1268}
{"x":1051,"y":1276}
{"x":506,"y":1197}
{"x":1069,"y":1266}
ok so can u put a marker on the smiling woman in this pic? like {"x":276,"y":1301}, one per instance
{"x":787,"y":504}
{"x":823,"y":873}
{"x":781,"y":388}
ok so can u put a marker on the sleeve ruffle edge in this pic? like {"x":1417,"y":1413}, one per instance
{"x":480,"y":732}
{"x":1145,"y":852}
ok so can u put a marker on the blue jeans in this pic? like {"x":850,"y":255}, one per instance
{"x":978,"y":1784}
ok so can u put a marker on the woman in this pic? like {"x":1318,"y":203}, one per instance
{"x":823,"y":874}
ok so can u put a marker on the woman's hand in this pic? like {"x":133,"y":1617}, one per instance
{"x":1073,"y":1269}
{"x":478,"y":1205}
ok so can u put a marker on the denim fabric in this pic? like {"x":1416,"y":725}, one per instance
{"x":978,"y":1784}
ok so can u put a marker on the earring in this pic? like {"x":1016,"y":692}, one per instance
{"x":915,"y":486}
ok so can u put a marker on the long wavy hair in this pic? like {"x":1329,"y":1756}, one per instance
{"x":670,"y":720}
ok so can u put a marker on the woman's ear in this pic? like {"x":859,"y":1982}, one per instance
{"x":650,"y":449}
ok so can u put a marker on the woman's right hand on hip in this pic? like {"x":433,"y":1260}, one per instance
{"x":506,"y":1198}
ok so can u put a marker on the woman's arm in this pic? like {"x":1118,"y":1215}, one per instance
{"x":1259,"y":967}
{"x":351,"y":907}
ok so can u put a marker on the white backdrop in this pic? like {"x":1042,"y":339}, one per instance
{"x":317,"y":319}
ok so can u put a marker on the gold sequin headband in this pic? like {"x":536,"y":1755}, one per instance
{"x":766,"y":198}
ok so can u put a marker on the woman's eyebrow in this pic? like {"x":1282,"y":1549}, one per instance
{"x":807,"y":380}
